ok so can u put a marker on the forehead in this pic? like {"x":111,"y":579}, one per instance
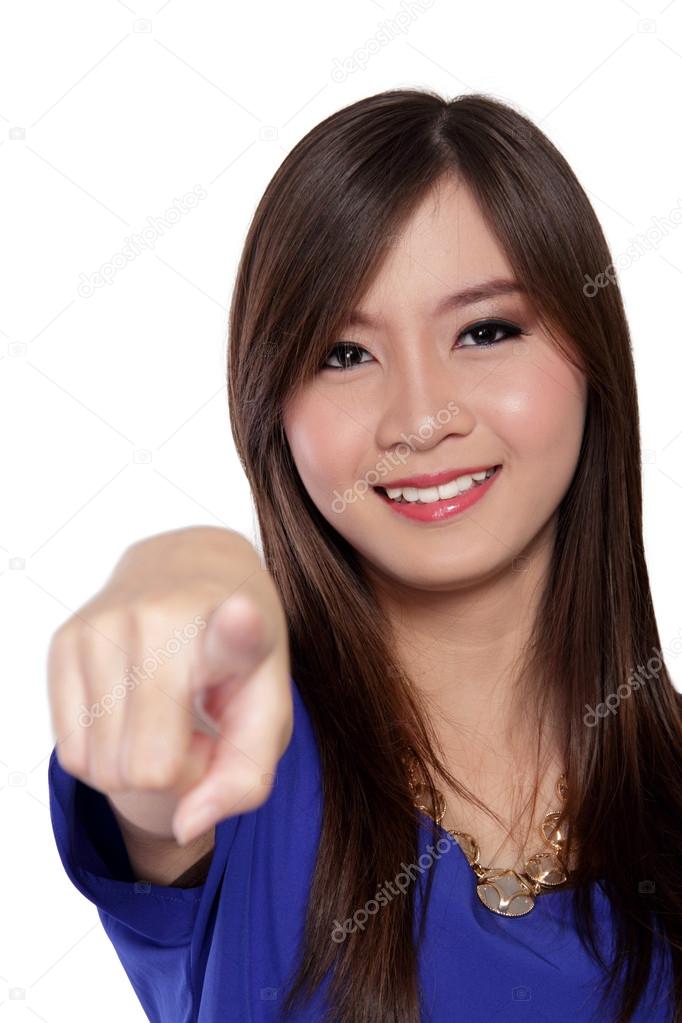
{"x":444,"y":246}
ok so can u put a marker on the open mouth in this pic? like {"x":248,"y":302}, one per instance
{"x":448,"y":487}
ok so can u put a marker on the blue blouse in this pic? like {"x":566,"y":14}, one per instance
{"x":223,"y":950}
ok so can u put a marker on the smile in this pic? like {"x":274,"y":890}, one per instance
{"x":436,"y":503}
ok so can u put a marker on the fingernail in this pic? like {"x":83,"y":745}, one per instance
{"x":200,"y":819}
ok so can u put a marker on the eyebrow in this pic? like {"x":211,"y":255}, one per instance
{"x":458,"y":299}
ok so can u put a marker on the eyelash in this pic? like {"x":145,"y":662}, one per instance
{"x":510,"y":329}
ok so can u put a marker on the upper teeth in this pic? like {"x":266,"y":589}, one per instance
{"x":451,"y":489}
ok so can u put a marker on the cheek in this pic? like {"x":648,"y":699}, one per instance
{"x":323,"y":441}
{"x":540,"y":418}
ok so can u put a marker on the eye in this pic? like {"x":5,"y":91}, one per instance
{"x":488,"y":328}
{"x":485,"y":330}
{"x":347,"y":349}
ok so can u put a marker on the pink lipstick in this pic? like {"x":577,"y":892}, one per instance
{"x":436,"y":511}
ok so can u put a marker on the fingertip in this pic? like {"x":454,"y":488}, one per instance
{"x":191,"y":823}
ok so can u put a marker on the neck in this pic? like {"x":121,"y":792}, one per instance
{"x":460,"y":647}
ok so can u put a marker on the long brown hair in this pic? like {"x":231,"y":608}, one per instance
{"x":325,"y":221}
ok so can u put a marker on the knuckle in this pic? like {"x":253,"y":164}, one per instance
{"x":143,"y":770}
{"x":61,"y":644}
{"x":103,"y":628}
{"x":104,"y":776}
{"x":152,"y":618}
{"x":150,"y":610}
{"x":107,"y":621}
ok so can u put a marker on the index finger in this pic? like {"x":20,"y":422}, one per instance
{"x":238,"y":636}
{"x":254,"y":730}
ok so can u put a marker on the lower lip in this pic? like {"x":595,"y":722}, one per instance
{"x":437,"y":510}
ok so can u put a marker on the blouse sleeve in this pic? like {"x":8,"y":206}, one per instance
{"x":158,"y":932}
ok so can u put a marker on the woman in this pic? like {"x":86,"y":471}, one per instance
{"x":424,"y":297}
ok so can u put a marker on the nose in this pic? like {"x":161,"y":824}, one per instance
{"x":422,"y":405}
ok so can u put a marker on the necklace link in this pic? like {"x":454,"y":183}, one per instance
{"x":504,"y":891}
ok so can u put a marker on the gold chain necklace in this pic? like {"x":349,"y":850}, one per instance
{"x":505,"y":891}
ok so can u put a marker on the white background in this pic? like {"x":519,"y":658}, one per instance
{"x":114,"y":404}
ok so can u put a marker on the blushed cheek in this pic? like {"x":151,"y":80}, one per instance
{"x":320,"y":444}
{"x":542,"y":424}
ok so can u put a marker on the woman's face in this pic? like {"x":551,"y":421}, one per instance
{"x":420,"y":395}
